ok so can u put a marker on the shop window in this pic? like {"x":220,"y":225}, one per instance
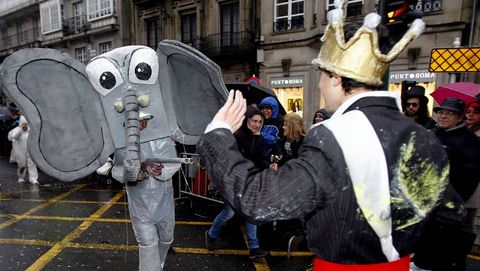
{"x":289,"y":15}
{"x":51,"y":14}
{"x":291,"y":98}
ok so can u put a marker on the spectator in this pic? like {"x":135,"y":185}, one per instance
{"x":415,"y":107}
{"x":472,"y":120}
{"x":320,"y":116}
{"x":250,"y":144}
{"x":446,"y":243}
{"x":19,"y":137}
{"x":472,"y":117}
{"x":272,"y":130}
{"x":294,"y":132}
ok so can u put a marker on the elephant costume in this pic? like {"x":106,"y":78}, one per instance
{"x":79,"y":115}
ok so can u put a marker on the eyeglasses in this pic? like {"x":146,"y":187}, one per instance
{"x":446,"y":113}
{"x":412,"y":104}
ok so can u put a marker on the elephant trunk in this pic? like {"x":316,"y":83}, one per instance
{"x":131,"y":163}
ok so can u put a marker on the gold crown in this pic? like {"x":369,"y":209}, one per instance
{"x":360,"y":58}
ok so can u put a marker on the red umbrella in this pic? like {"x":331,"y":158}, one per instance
{"x":462,"y":90}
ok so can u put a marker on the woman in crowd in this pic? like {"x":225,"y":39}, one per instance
{"x":472,"y":117}
{"x":293,"y":133}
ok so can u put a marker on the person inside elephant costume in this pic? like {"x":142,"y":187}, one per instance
{"x":132,"y":101}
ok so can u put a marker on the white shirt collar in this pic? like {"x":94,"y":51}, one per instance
{"x":378,"y":93}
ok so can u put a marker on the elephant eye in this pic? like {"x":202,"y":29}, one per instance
{"x":143,"y":67}
{"x":107,"y":80}
{"x":103,"y":75}
{"x":143,"y":71}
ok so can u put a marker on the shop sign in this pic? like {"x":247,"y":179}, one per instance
{"x":417,"y":75}
{"x":293,"y":81}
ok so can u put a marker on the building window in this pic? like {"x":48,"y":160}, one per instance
{"x":78,"y":16}
{"x":22,"y":33}
{"x":230,"y":24}
{"x":428,"y":5}
{"x":99,"y":9}
{"x":81,"y":54}
{"x":51,"y":13}
{"x":7,"y":40}
{"x":189,"y":28}
{"x":105,"y":47}
{"x":153,"y":32}
{"x":289,"y":15}
{"x":354,"y":7}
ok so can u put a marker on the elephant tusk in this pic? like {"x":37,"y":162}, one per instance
{"x":143,"y":100}
{"x":119,"y":107}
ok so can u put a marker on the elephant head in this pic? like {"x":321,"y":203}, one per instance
{"x":80,"y":114}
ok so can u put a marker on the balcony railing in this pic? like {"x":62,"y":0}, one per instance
{"x":20,"y":39}
{"x":283,"y":25}
{"x":227,"y":43}
{"x":427,"y":6}
{"x":353,"y":10}
{"x":75,"y":24}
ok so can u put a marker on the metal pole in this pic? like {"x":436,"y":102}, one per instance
{"x":452,"y":76}
{"x":472,"y":23}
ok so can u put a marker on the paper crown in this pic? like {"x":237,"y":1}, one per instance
{"x":360,"y":58}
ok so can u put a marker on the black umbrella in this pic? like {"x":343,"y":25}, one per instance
{"x":255,"y":93}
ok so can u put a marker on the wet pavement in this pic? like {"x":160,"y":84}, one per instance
{"x":85,"y":226}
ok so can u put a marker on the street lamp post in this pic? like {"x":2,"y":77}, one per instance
{"x":452,"y":76}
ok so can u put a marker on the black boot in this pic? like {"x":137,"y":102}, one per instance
{"x":256,"y":253}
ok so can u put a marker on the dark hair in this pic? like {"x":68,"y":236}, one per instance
{"x":385,"y":43}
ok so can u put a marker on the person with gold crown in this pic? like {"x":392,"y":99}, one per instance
{"x":365,"y":180}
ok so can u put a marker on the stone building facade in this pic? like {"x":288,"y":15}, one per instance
{"x":290,"y":39}
{"x":275,"y":40}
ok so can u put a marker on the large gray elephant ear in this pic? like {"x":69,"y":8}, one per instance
{"x":69,"y":136}
{"x":192,"y":89}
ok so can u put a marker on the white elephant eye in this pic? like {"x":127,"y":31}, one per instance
{"x":103,"y":75}
{"x":143,"y":67}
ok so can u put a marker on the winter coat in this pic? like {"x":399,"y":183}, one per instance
{"x":463,"y":149}
{"x":250,"y":145}
{"x":272,"y":130}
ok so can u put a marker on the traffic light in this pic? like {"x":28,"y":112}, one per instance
{"x":398,"y":15}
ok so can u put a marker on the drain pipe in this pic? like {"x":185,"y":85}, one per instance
{"x":472,"y":23}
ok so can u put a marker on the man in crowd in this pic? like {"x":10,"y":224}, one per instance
{"x":350,"y":168}
{"x":415,"y":107}
{"x":448,"y":239}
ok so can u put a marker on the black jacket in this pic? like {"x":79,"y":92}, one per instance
{"x":250,"y":145}
{"x":463,"y":150}
{"x":317,"y":186}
